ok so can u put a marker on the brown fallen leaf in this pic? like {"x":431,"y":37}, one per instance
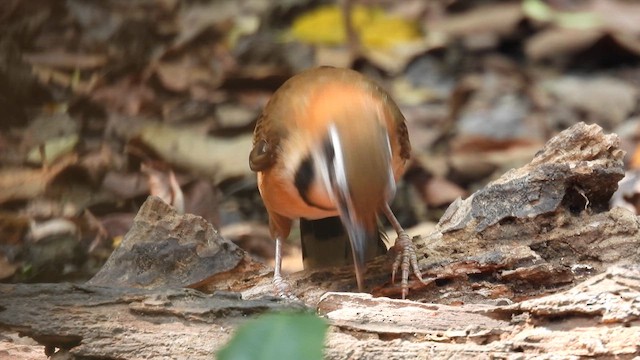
{"x":126,"y":95}
{"x":440,"y":191}
{"x":125,"y":185}
{"x":13,"y":228}
{"x":163,"y":184}
{"x":605,"y":100}
{"x":60,"y":59}
{"x":619,"y":16}
{"x":496,"y":20}
{"x":116,"y":224}
{"x":7,"y":269}
{"x":554,"y":42}
{"x":582,"y":26}
{"x":181,"y":75}
{"x":628,"y":193}
{"x":24,"y":183}
{"x":195,"y":18}
{"x":474,"y":158}
{"x":202,"y":198}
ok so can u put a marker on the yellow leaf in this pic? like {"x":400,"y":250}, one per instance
{"x":376,"y":29}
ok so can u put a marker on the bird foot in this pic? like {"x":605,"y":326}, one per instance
{"x":405,"y":260}
{"x":282,"y":288}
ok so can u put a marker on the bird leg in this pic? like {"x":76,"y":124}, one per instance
{"x":406,"y":258}
{"x":282,"y":287}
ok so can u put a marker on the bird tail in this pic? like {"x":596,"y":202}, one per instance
{"x":325,"y":243}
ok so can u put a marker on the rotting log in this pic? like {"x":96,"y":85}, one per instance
{"x":533,"y":265}
{"x":598,"y":318}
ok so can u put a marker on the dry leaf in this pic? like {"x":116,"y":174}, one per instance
{"x":64,"y":60}
{"x":181,"y":75}
{"x":7,"y":269}
{"x":559,"y":41}
{"x":217,"y":157}
{"x":163,"y":184}
{"x":23,"y":183}
{"x":498,"y":19}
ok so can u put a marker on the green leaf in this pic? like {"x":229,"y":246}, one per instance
{"x":537,"y":10}
{"x":579,"y":20}
{"x":277,"y":337}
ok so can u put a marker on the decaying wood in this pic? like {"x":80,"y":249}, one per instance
{"x":167,"y":249}
{"x":577,"y":170}
{"x":532,"y":265}
{"x":600,"y":317}
{"x":126,"y":323}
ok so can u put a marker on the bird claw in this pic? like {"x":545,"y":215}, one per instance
{"x":406,"y":260}
{"x":283,"y":289}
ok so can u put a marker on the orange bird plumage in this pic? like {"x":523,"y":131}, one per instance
{"x":330,"y":142}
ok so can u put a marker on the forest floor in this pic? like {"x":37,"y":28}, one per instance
{"x":524,"y":217}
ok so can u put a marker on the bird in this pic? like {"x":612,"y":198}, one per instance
{"x":331,"y":143}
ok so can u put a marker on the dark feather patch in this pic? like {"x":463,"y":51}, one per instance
{"x":323,"y":229}
{"x":304,"y":178}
